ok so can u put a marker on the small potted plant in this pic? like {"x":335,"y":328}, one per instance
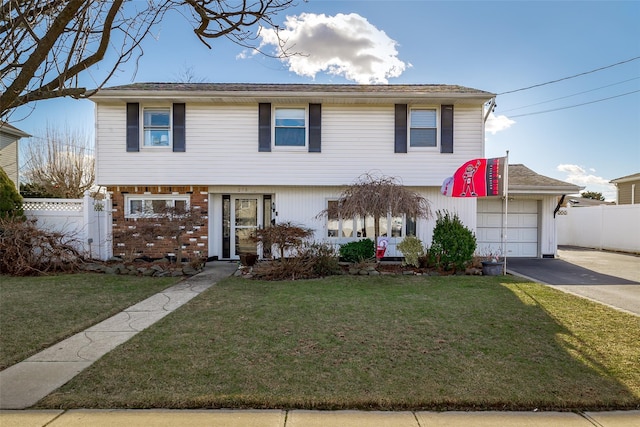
{"x":248,"y":259}
{"x":491,"y":262}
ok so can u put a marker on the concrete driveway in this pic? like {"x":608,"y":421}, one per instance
{"x":610,"y":278}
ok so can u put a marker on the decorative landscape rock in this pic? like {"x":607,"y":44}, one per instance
{"x":160,"y":268}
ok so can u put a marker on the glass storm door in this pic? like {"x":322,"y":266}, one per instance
{"x":246,"y":214}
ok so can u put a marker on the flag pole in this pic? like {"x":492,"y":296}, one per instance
{"x":505,"y":191}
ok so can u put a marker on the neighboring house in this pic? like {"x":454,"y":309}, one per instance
{"x":628,"y":189}
{"x":247,"y":155}
{"x":9,"y":137}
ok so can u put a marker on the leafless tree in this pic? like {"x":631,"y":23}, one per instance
{"x":378,"y":196}
{"x":188,"y":75}
{"x":62,"y":163}
{"x":47,"y":45}
{"x":285,"y":236}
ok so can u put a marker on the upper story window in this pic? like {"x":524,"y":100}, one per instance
{"x":423,"y":128}
{"x":157,"y":127}
{"x":290,"y":127}
{"x":137,"y":206}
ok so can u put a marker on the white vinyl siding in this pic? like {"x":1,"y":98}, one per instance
{"x":9,"y":156}
{"x":301,"y":205}
{"x":223,"y":149}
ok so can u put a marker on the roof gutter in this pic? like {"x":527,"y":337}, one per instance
{"x":560,"y":202}
{"x":492,"y":107}
{"x":206,"y":95}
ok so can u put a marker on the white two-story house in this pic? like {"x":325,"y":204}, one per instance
{"x":247,"y":155}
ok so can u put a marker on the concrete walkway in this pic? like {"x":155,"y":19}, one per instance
{"x":299,"y":418}
{"x":25,"y":383}
{"x":22,"y":385}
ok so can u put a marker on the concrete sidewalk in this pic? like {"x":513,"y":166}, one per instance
{"x":22,"y":385}
{"x":299,"y":418}
{"x":25,"y":383}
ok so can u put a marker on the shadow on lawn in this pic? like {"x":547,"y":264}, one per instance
{"x":386,"y":342}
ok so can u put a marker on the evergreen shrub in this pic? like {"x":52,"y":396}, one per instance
{"x":358,"y":251}
{"x":453,"y":244}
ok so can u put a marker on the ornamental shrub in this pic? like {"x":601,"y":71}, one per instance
{"x":10,"y":199}
{"x":311,"y":260}
{"x":323,"y":258}
{"x":358,"y":251}
{"x":412,"y":249}
{"x":453,"y":244}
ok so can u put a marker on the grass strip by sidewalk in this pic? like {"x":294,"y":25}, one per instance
{"x":386,"y":342}
{"x":36,"y":312}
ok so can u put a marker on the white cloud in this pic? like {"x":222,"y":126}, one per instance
{"x":341,"y":45}
{"x":496,"y":124}
{"x":579,"y":176}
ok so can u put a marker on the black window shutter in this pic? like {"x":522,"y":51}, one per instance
{"x":446,"y":129}
{"x":401,"y":128}
{"x":315,"y":128}
{"x":264,"y":127}
{"x":133,"y":126}
{"x":179,"y":144}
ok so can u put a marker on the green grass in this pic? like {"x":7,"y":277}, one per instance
{"x":36,"y":312}
{"x":387,"y":342}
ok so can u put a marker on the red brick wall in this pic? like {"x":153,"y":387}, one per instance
{"x":194,"y":243}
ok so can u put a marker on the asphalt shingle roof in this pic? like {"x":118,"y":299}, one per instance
{"x":523,"y":178}
{"x":310,"y":88}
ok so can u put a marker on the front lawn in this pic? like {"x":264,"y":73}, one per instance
{"x":384,"y":342}
{"x":36,"y":312}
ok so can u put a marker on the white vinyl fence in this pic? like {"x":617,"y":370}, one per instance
{"x":86,"y":220}
{"x":608,"y":227}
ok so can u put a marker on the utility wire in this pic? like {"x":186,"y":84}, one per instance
{"x":576,"y":105}
{"x":569,"y":96}
{"x":571,"y":77}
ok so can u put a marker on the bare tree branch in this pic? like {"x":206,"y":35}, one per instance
{"x":47,"y":45}
{"x":377,"y":196}
{"x":62,"y":164}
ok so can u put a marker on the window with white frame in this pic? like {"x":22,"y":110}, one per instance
{"x":137,"y":206}
{"x":423,"y":127}
{"x":290,"y":127}
{"x":358,"y":227}
{"x":157,"y":126}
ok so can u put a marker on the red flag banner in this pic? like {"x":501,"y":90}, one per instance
{"x":477,"y":178}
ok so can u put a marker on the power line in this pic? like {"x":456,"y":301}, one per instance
{"x":571,"y":77}
{"x":569,"y":96}
{"x":576,"y":105}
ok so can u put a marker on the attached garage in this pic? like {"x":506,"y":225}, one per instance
{"x":531,"y":227}
{"x":522,"y":226}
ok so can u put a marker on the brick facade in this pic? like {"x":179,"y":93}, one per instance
{"x":127,"y":244}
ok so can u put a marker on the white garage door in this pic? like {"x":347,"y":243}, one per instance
{"x":522,"y":222}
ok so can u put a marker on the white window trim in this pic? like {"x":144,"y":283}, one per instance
{"x":403,"y":232}
{"x":170,"y":197}
{"x":438,"y":128}
{"x":304,"y":147}
{"x":144,"y":146}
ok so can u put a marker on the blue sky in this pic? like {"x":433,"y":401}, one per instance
{"x":494,"y":46}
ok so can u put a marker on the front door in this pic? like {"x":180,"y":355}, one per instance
{"x":246,"y":215}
